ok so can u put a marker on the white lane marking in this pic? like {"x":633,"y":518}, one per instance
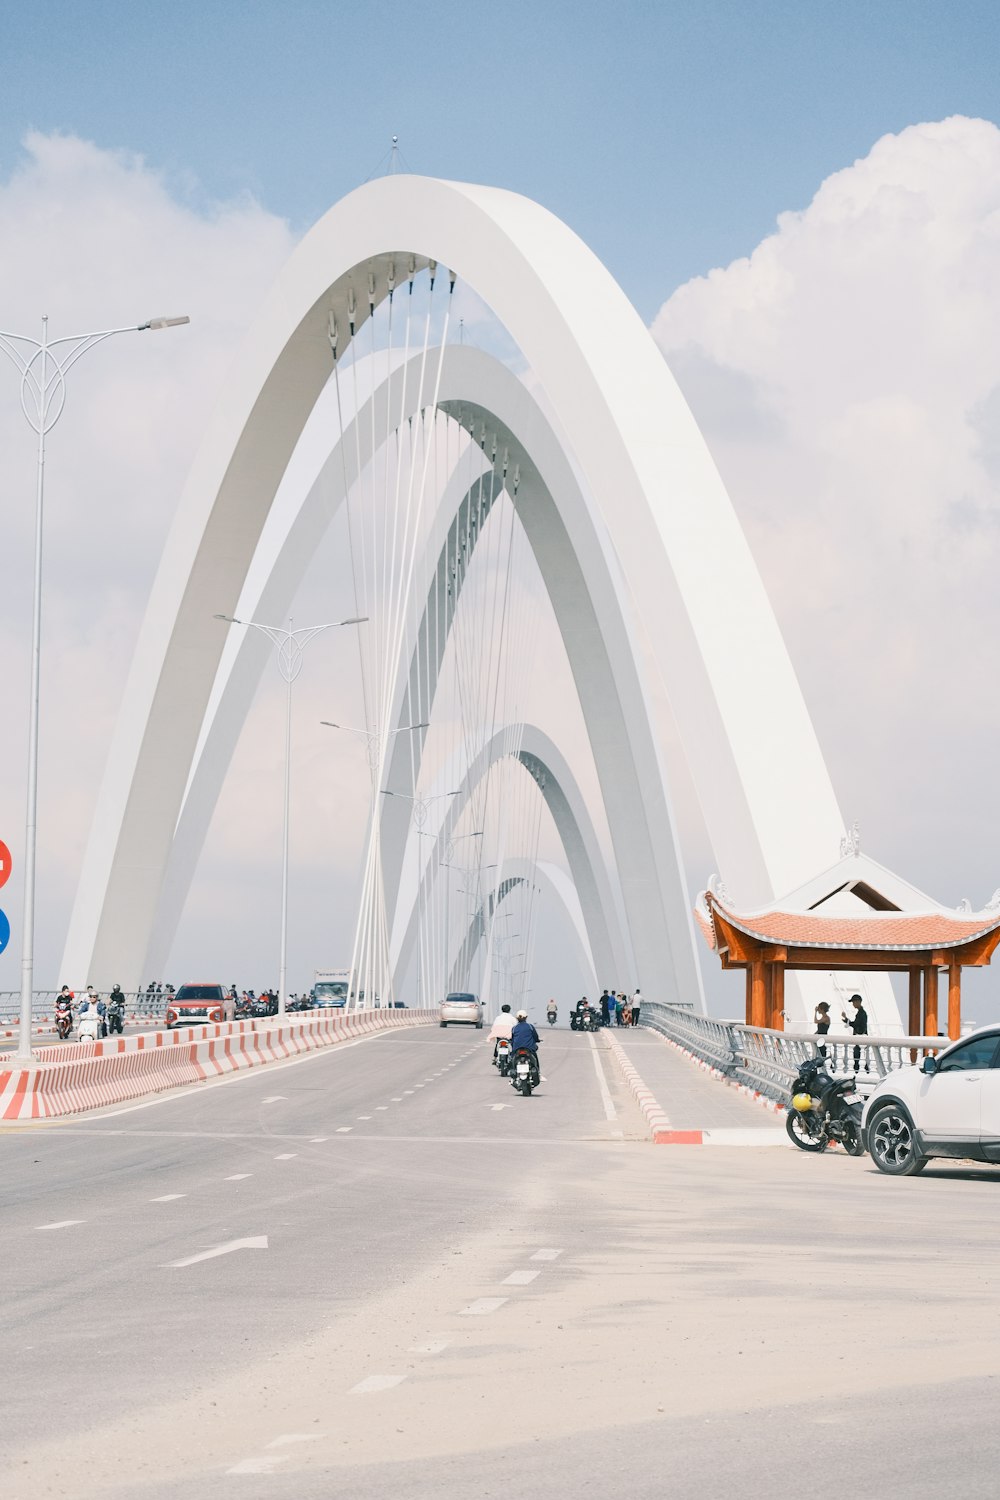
{"x":481,"y":1306}
{"x":375,"y":1383}
{"x":274,"y":1098}
{"x":433,"y":1346}
{"x":238,"y":1176}
{"x":746,"y":1135}
{"x":168,"y":1198}
{"x":265,"y":1463}
{"x":546,"y":1255}
{"x":294,"y":1437}
{"x":380,"y":1106}
{"x":286,"y":1155}
{"x":397,"y":1099}
{"x":610,"y":1113}
{"x":61,"y":1224}
{"x":364,"y":1117}
{"x":499,"y":1106}
{"x":344,"y":1129}
{"x":317,"y":1140}
{"x":409,"y":1091}
{"x":260,"y":1243}
{"x":418,"y":1085}
{"x":520,"y":1278}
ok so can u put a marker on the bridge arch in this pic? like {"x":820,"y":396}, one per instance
{"x":693,"y":603}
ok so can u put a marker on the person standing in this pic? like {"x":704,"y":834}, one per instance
{"x":636,"y":1006}
{"x":619,"y":1009}
{"x":605,"y":1009}
{"x":821,"y":1016}
{"x":858,"y":1023}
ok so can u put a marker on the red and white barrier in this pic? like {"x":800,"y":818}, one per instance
{"x":89,"y":1075}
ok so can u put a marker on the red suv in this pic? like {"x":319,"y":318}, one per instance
{"x":196,"y":1002}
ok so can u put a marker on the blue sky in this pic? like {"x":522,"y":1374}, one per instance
{"x":669,"y":133}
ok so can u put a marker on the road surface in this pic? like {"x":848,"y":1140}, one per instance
{"x":375,"y":1272}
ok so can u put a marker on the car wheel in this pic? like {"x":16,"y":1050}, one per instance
{"x":443,"y":1025}
{"x":479,"y":1025}
{"x":892,"y":1143}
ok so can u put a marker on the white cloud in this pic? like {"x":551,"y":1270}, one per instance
{"x":847,"y":377}
{"x":99,"y":239}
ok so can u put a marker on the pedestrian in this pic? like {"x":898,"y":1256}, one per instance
{"x":636,"y":1005}
{"x":859,"y":1025}
{"x":619,"y":1009}
{"x":605,"y":1009}
{"x":626,"y":1011}
{"x":821,"y":1016}
{"x":229,"y":1004}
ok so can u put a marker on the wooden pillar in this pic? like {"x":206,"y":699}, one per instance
{"x":954,"y":999}
{"x":748,"y":1008}
{"x":758,"y":992}
{"x":913,"y":1023}
{"x":930,"y":1000}
{"x":776,"y":1019}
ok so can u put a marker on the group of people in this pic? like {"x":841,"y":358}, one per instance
{"x":858,"y":1023}
{"x":518,"y":1030}
{"x":92,"y":1002}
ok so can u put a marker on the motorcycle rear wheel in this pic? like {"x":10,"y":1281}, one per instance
{"x":797,"y":1132}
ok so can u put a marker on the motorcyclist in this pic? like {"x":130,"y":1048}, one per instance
{"x":64,"y":1006}
{"x":525,"y":1038}
{"x":116,"y":1003}
{"x":552,"y":1010}
{"x":503,"y":1026}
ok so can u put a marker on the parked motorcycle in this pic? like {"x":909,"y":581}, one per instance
{"x":64,"y":1021}
{"x":587,"y":1019}
{"x":525,"y":1071}
{"x":824,"y":1109}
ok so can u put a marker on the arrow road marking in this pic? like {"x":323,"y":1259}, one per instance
{"x":260,"y":1243}
{"x":274,"y":1099}
{"x":499,"y":1106}
{"x":61,"y":1224}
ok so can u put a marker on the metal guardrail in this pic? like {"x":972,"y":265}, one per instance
{"x":768,"y":1061}
{"x":43,"y":1001}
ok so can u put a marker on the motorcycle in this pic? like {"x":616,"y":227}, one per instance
{"x":550,"y":1016}
{"x":90,"y":1025}
{"x":585,"y":1020}
{"x":64,"y":1021}
{"x":525,"y":1072}
{"x":824,"y":1109}
{"x":116,"y":1019}
{"x":501,"y":1058}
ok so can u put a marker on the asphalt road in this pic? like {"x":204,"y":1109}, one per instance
{"x":457,"y":1299}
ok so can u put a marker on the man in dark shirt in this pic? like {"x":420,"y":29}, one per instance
{"x":859,"y":1025}
{"x":525,"y":1036}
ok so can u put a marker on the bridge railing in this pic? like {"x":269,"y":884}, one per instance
{"x":43,"y":1004}
{"x":768,"y":1061}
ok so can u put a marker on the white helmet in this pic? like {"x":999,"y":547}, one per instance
{"x":522,"y":1015}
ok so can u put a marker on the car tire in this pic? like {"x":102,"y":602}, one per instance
{"x":892,"y":1143}
{"x":444,"y":1025}
{"x":479,"y":1025}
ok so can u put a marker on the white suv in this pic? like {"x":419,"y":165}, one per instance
{"x":949,"y":1106}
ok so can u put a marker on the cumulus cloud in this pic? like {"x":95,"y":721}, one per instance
{"x":847,"y":377}
{"x":99,"y":239}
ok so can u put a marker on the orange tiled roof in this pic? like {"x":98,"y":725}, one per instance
{"x":890,"y":929}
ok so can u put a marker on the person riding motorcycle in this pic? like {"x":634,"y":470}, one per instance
{"x":552,"y":1010}
{"x":502,"y":1027}
{"x":64,"y":1011}
{"x":525,"y":1038}
{"x":116,"y":1004}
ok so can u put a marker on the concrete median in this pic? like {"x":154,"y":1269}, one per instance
{"x":93,"y":1075}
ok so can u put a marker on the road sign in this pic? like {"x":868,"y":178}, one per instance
{"x":5,"y":863}
{"x":4,"y":931}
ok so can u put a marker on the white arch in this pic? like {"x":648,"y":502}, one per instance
{"x":655,"y":504}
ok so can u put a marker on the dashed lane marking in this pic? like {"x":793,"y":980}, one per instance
{"x":482,"y":1306}
{"x":364,"y":1117}
{"x":264,"y":1463}
{"x":61,"y":1224}
{"x":344,"y":1129}
{"x":520,"y":1278}
{"x":409,"y":1091}
{"x":286,"y":1156}
{"x":168,"y":1198}
{"x":375,"y":1383}
{"x":238,"y":1176}
{"x":380,"y":1107}
{"x":546,"y":1255}
{"x":397,"y":1099}
{"x":274,"y":1099}
{"x":317,"y":1140}
{"x":433,"y":1346}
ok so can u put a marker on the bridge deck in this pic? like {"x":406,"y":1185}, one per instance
{"x":692,"y":1098}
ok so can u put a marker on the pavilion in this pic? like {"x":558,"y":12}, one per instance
{"x":855,"y":916}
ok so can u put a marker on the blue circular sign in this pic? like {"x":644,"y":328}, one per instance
{"x":4,"y":931}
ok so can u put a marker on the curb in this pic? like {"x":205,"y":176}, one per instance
{"x":742,"y":1088}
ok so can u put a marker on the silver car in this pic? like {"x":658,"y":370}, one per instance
{"x":465,"y":1010}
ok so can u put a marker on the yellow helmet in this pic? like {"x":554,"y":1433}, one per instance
{"x":802,"y":1102}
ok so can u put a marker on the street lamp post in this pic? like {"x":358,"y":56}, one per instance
{"x":290,"y":646}
{"x":43,"y":365}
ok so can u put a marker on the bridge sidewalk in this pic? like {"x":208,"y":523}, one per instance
{"x":693,"y":1100}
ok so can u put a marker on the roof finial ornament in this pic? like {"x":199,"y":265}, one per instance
{"x":851,"y":842}
{"x":965,"y":905}
{"x":993,"y":904}
{"x":718,"y":888}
